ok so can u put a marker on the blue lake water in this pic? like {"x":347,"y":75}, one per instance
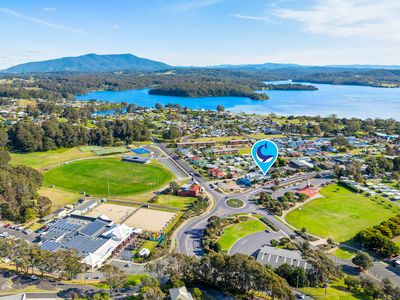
{"x":343,"y":100}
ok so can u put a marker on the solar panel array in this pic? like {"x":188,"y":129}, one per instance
{"x":51,"y":245}
{"x":85,"y":244}
{"x":77,"y":232}
{"x":66,"y":225}
{"x":94,"y":228}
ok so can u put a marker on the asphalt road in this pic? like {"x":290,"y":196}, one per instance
{"x":252,"y":243}
{"x":189,"y":235}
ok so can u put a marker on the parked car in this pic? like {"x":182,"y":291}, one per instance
{"x":300,"y":296}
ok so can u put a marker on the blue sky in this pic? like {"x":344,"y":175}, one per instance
{"x":204,"y":32}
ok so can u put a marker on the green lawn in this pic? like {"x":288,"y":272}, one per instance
{"x":174,"y":201}
{"x":135,"y":279}
{"x":335,"y":291}
{"x":132,"y":280}
{"x":149,"y":245}
{"x":244,"y":150}
{"x":340,"y":214}
{"x":39,"y":160}
{"x":124,"y":178}
{"x":239,"y":230}
{"x":344,"y":253}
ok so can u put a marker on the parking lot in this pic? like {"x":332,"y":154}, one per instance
{"x":20,"y":233}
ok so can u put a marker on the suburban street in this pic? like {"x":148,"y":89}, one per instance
{"x":189,"y":235}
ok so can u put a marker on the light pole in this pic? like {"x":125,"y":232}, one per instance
{"x":108,"y":185}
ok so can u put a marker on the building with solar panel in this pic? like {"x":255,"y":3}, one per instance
{"x":95,"y":239}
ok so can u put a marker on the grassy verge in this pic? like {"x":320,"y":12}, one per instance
{"x":174,"y":201}
{"x":173,"y":223}
{"x":336,"y":291}
{"x":344,"y":253}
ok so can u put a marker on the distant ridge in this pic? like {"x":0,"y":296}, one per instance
{"x":91,"y":63}
{"x":276,"y":66}
{"x":129,"y":62}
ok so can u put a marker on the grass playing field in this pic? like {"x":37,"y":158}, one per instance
{"x":39,"y":160}
{"x":340,"y":214}
{"x":174,"y":201}
{"x":92,"y":176}
{"x":234,"y":232}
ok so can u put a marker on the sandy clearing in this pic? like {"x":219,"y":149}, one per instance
{"x":116,"y":213}
{"x":149,"y":219}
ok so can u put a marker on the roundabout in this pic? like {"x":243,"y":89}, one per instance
{"x":234,"y":203}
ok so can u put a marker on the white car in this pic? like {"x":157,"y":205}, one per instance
{"x":300,"y":296}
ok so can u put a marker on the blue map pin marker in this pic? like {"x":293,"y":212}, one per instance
{"x":264,"y":153}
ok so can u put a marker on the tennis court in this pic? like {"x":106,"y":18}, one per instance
{"x":140,"y":150}
{"x":89,"y":148}
{"x":111,"y":150}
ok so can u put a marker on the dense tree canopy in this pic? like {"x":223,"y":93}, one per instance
{"x":237,"y":273}
{"x":28,"y":137}
{"x":207,"y":89}
{"x":19,"y":200}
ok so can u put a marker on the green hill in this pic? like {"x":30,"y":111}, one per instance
{"x":91,"y":63}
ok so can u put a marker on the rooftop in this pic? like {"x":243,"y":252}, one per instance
{"x":276,"y":257}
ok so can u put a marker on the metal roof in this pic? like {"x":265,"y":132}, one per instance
{"x":86,"y":204}
{"x":51,"y":246}
{"x":85,"y":244}
{"x":276,"y":257}
{"x":94,"y":227}
{"x":67,"y":225}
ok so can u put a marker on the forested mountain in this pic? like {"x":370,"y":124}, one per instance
{"x":91,"y":63}
{"x":129,"y":62}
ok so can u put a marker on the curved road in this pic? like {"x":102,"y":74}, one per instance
{"x":189,"y":235}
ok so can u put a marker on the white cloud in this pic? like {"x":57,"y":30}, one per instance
{"x":378,"y":19}
{"x":195,"y":4}
{"x":16,"y":14}
{"x":253,"y":18}
{"x":49,"y":9}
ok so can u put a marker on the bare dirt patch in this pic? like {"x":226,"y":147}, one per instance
{"x":116,"y":213}
{"x":151,"y":220}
